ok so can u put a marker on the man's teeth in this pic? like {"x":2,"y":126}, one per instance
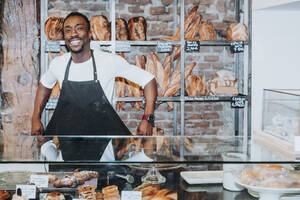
{"x":75,"y":42}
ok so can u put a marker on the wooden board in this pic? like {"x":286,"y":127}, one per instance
{"x":19,"y":75}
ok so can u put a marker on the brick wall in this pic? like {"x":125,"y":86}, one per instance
{"x":200,"y":118}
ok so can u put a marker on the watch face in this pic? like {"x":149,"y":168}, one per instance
{"x":150,"y":118}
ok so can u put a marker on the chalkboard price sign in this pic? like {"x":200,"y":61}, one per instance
{"x":237,"y":46}
{"x":192,"y":46}
{"x":238,"y":102}
{"x":163,"y":47}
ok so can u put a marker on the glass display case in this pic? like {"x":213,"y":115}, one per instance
{"x":190,"y":167}
{"x":280,"y":125}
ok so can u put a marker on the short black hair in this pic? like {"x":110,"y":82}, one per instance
{"x":78,"y":14}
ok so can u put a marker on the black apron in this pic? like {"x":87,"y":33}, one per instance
{"x":83,"y":109}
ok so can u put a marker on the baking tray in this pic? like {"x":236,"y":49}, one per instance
{"x":202,"y":177}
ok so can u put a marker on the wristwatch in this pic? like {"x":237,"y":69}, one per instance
{"x":149,"y":118}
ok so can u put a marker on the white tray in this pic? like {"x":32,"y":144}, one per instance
{"x":270,"y":193}
{"x":202,"y":177}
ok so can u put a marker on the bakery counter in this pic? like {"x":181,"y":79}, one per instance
{"x":174,"y":184}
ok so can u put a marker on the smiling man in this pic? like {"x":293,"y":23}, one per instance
{"x":87,"y":79}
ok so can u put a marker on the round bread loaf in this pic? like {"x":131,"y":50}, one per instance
{"x":4,"y":195}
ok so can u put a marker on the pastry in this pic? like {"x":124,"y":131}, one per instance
{"x":147,"y":189}
{"x":4,"y":195}
{"x":237,"y":32}
{"x":206,"y":31}
{"x":54,"y":196}
{"x":165,"y":194}
{"x":111,"y":193}
{"x":99,"y":195}
{"x":100,"y":27}
{"x":137,"y":28}
{"x":87,"y":192}
{"x":54,"y":28}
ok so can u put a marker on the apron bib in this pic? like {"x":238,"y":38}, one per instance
{"x":83,"y":109}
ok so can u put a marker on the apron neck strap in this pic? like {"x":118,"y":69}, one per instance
{"x":94,"y":67}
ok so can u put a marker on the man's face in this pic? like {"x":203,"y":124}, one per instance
{"x":76,"y":34}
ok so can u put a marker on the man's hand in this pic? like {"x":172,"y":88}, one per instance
{"x":37,"y":127}
{"x":41,"y":98}
{"x":145,"y":128}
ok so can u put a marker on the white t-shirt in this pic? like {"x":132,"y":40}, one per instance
{"x":109,"y":66}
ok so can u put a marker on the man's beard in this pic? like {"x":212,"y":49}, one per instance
{"x":76,"y":51}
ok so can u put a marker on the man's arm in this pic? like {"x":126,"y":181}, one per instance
{"x":41,"y":98}
{"x":150,"y":94}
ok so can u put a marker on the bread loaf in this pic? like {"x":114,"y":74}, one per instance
{"x":223,"y":83}
{"x":121,"y":29}
{"x":100,"y":28}
{"x":54,"y":28}
{"x":137,"y":28}
{"x":237,"y":32}
{"x":195,"y":85}
{"x":4,"y":195}
{"x":76,"y":178}
{"x":206,"y":31}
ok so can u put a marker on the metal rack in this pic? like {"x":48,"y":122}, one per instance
{"x":113,"y":44}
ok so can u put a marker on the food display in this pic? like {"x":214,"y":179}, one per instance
{"x":76,"y":178}
{"x":207,"y":31}
{"x":270,"y":176}
{"x":4,"y":195}
{"x":122,"y":32}
{"x":237,"y":32}
{"x":137,"y":28}
{"x":87,"y":192}
{"x":111,"y":193}
{"x":223,"y":83}
{"x":54,"y":28}
{"x":153,"y":192}
{"x":54,"y":196}
{"x":100,"y":27}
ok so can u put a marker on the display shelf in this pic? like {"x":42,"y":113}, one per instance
{"x":242,"y":68}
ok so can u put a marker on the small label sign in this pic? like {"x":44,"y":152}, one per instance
{"x":28,"y":191}
{"x":238,"y":102}
{"x":237,"y":46}
{"x":123,"y":47}
{"x":131,"y":195}
{"x":52,"y":46}
{"x":39,"y":181}
{"x":163,"y":47}
{"x":192,"y":46}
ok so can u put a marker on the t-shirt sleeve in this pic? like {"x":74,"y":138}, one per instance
{"x":48,"y":79}
{"x":132,"y":72}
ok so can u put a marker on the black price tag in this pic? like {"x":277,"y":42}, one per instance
{"x":163,"y":47}
{"x":52,"y":46}
{"x":238,"y":102}
{"x":237,"y":46}
{"x":192,"y":46}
